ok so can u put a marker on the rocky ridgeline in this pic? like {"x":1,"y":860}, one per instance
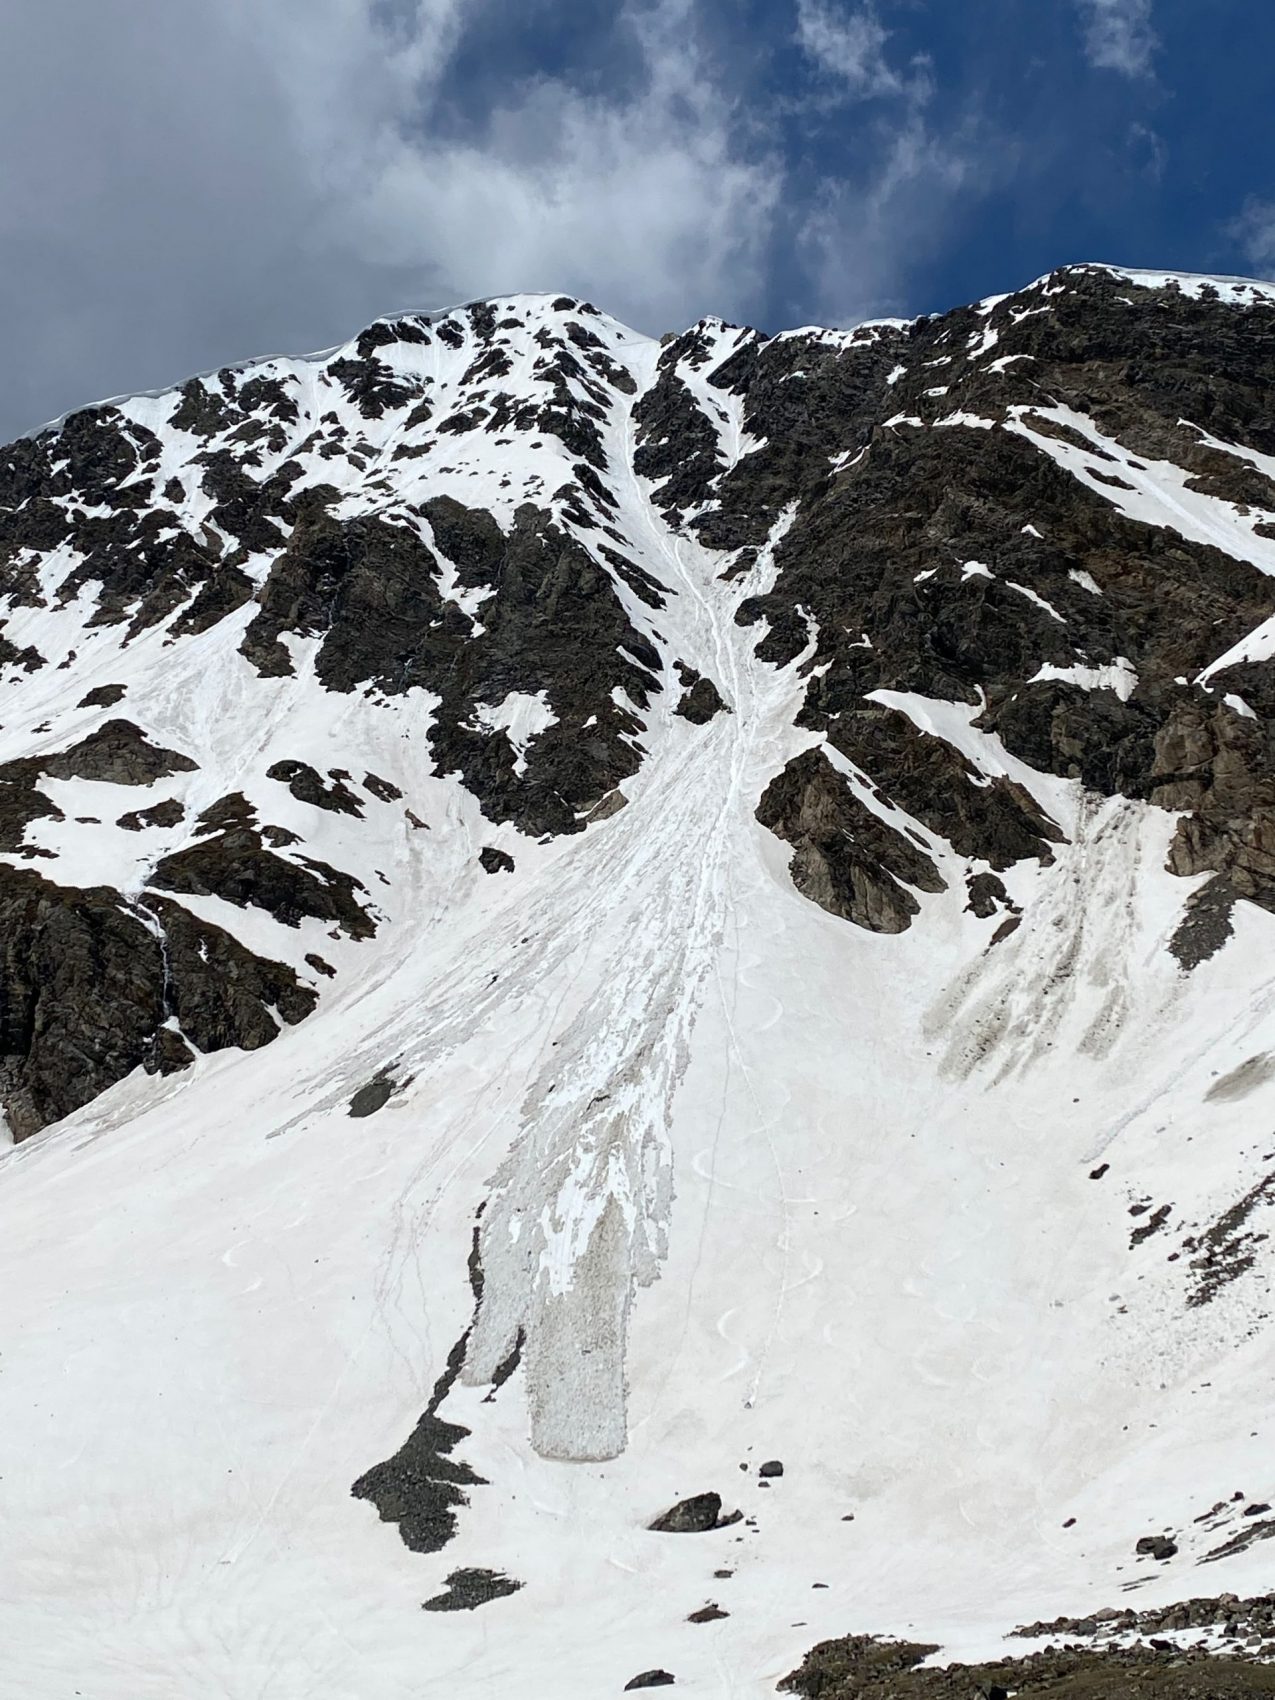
{"x":865,"y":1667}
{"x":1048,"y":513}
{"x":1248,"y":1625}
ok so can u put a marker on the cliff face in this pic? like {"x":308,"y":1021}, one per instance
{"x":689,"y":795}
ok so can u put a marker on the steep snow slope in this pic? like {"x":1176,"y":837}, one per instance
{"x":860,"y":1183}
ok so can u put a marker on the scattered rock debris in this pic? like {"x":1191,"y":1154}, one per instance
{"x":1227,"y":1249}
{"x":866,"y":1667}
{"x":1238,"y":1619}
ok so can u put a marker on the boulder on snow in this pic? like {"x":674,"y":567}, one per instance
{"x":694,"y":1516}
{"x":369,"y":1098}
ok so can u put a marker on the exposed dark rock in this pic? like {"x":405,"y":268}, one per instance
{"x":118,"y":753}
{"x":385,"y":332}
{"x":1154,"y":1222}
{"x":233,"y":810}
{"x":694,"y":1516}
{"x":801,"y":423}
{"x":468,"y":1589}
{"x":576,"y":405}
{"x":1227,"y":1248}
{"x":381,"y":789}
{"x":1059,"y":575}
{"x":368,"y":1099}
{"x":677,"y":446}
{"x":256,"y":514}
{"x":220,"y":992}
{"x":20,"y":804}
{"x":864,"y":1667}
{"x":202,"y":411}
{"x":371,"y":385}
{"x":167,"y":1053}
{"x":553,"y":623}
{"x":1156,"y":1546}
{"x":650,"y":1679}
{"x":496,"y":861}
{"x":469,"y":538}
{"x":1263,"y":1529}
{"x":422,"y":1486}
{"x":87,"y":984}
{"x":102,"y":696}
{"x":856,"y":1664}
{"x":707,"y":1614}
{"x":1237,"y":1615}
{"x":167,"y":813}
{"x":936,"y":560}
{"x":369,"y":586}
{"x":29,"y":659}
{"x":309,"y":786}
{"x":987,"y":896}
{"x":1206,"y":923}
{"x":772,"y":1467}
{"x":236,"y":866}
{"x":931,"y":780}
{"x":644,"y":585}
{"x":846,"y":858}
{"x":700,"y":700}
{"x":81,"y":995}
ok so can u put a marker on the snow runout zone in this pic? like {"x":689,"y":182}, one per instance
{"x":845,"y":1109}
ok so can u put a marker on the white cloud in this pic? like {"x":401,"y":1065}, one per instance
{"x":850,"y":46}
{"x":1254,"y":232}
{"x":223,"y":181}
{"x":644,"y":201}
{"x":1119,"y":36}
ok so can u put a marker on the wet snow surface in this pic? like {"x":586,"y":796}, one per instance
{"x":755,"y":1184}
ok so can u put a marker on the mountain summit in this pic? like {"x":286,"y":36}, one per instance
{"x":585,"y":915}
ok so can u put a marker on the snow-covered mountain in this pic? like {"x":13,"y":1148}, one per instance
{"x":584,"y":914}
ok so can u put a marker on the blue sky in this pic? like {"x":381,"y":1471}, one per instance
{"x":190,"y":184}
